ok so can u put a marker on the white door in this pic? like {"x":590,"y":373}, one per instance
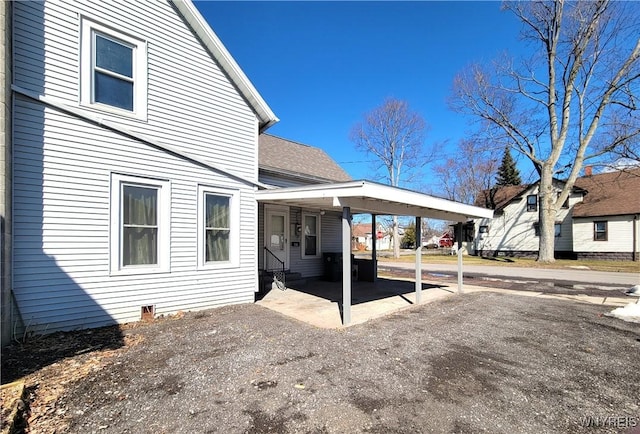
{"x":277,"y":236}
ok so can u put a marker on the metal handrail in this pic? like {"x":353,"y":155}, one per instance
{"x":279,"y":275}
{"x":271,"y":255}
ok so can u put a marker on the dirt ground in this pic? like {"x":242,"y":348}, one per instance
{"x":483,"y":362}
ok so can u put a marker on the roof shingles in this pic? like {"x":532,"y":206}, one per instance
{"x":285,"y":156}
{"x":614,"y":193}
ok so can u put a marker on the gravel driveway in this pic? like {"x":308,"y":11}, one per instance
{"x":483,"y":362}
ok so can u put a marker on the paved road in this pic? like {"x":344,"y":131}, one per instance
{"x":604,"y":278}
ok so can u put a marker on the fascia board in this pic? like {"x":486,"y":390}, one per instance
{"x":229,"y":65}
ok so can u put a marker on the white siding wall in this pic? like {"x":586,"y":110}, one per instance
{"x":61,"y":206}
{"x":191,"y":103}
{"x":62,"y":168}
{"x":619,"y":234}
{"x":513,"y":230}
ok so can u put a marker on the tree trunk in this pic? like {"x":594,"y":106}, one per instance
{"x":547,"y":217}
{"x":396,"y":240}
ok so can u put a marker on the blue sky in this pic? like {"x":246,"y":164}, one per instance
{"x":321,"y":65}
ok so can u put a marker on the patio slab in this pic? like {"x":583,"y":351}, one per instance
{"x":319,"y":303}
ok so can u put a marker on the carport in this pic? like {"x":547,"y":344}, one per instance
{"x":367,"y":197}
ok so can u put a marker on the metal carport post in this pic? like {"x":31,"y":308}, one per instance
{"x":346,"y":265}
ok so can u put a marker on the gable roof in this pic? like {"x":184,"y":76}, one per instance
{"x":498,"y":198}
{"x":613,"y":193}
{"x":211,"y":42}
{"x":287,"y":157}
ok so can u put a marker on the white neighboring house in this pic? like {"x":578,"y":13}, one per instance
{"x":599,"y":219}
{"x":135,"y":164}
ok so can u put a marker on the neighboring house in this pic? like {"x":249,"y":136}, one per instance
{"x":135,"y":165}
{"x":606,"y":224}
{"x":363,"y":236}
{"x":598,"y":220}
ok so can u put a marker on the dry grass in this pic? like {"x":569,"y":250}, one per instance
{"x":615,"y":266}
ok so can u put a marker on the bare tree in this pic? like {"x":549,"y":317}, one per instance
{"x":574,"y":101}
{"x":467,"y":172}
{"x":394,"y":134}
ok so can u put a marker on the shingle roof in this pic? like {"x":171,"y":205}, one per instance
{"x":292,"y":158}
{"x":498,"y":198}
{"x":614,"y":193}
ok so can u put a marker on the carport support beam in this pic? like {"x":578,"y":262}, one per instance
{"x":459,"y":251}
{"x":418,"y":260}
{"x":346,"y":265}
{"x":374,"y":247}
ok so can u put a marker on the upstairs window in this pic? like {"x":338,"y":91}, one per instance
{"x":532,"y":203}
{"x":113,"y":71}
{"x":565,"y":204}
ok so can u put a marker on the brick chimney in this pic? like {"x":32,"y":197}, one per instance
{"x":588,"y":171}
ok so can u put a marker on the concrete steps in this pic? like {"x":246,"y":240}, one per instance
{"x":291,"y":279}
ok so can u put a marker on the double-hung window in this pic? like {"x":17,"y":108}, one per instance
{"x":139,"y":224}
{"x":311,"y":235}
{"x":532,"y":203}
{"x":113,"y":70}
{"x":600,"y":231}
{"x":218,"y":233}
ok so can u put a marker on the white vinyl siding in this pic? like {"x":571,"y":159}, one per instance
{"x":514,"y":229}
{"x":191,"y":104}
{"x":619,"y":234}
{"x":62,"y":188}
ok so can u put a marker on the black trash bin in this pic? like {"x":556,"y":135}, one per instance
{"x":332,"y":266}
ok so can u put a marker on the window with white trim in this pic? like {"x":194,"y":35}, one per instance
{"x":218,"y":235}
{"x":311,"y":235}
{"x":139,"y":240}
{"x":113,"y":70}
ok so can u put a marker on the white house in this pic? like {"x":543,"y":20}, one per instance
{"x":599,"y":219}
{"x":135,"y":164}
{"x":136,"y":179}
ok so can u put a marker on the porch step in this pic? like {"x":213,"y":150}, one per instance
{"x":290,"y":278}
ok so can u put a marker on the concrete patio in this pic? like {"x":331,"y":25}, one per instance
{"x":319,"y":302}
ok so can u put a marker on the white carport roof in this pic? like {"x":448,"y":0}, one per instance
{"x":373,"y":198}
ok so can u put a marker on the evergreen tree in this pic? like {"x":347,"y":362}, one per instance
{"x":508,"y":173}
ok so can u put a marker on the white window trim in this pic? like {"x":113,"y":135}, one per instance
{"x":303,"y":239}
{"x":234,"y":228}
{"x":164,"y":231}
{"x":87,"y":29}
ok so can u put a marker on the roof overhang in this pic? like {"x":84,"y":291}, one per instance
{"x":200,"y":26}
{"x":366,"y":197}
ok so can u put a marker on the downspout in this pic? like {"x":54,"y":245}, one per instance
{"x":6,"y":224}
{"x":635,"y":238}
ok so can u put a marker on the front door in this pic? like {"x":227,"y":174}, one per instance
{"x":277,"y":236}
